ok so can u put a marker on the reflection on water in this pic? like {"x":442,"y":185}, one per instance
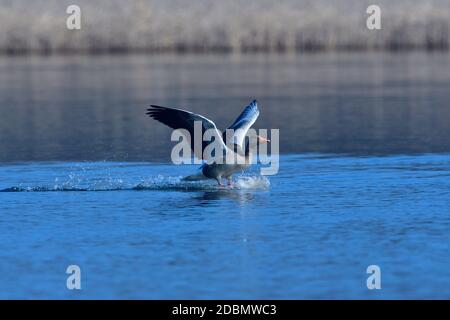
{"x":239,"y":197}
{"x":93,"y":107}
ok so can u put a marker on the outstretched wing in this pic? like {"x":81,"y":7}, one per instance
{"x":246,"y":119}
{"x":182,"y":119}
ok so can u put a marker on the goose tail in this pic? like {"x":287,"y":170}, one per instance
{"x":195,"y":177}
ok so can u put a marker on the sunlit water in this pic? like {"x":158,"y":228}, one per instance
{"x":311,"y":231}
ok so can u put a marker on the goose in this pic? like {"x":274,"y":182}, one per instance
{"x":240,"y":148}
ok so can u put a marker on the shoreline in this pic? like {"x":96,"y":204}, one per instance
{"x":133,"y":51}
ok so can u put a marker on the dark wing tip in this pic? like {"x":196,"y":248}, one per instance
{"x":154,"y":110}
{"x":253,"y":105}
{"x":169,"y":117}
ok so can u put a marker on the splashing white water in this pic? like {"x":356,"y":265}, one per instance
{"x":252,"y":182}
{"x":157,"y":183}
{"x":178,"y":183}
{"x":123,"y":176}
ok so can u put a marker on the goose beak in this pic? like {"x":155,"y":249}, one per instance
{"x":263,"y":140}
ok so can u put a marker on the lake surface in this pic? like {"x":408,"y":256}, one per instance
{"x":93,"y":107}
{"x":311,"y":231}
{"x":85,"y":178}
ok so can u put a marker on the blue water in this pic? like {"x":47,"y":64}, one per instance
{"x":137,"y":231}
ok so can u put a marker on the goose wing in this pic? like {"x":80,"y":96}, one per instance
{"x":182,"y":119}
{"x":243,"y":123}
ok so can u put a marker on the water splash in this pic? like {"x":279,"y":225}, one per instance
{"x":156,"y":183}
{"x":253,"y":182}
